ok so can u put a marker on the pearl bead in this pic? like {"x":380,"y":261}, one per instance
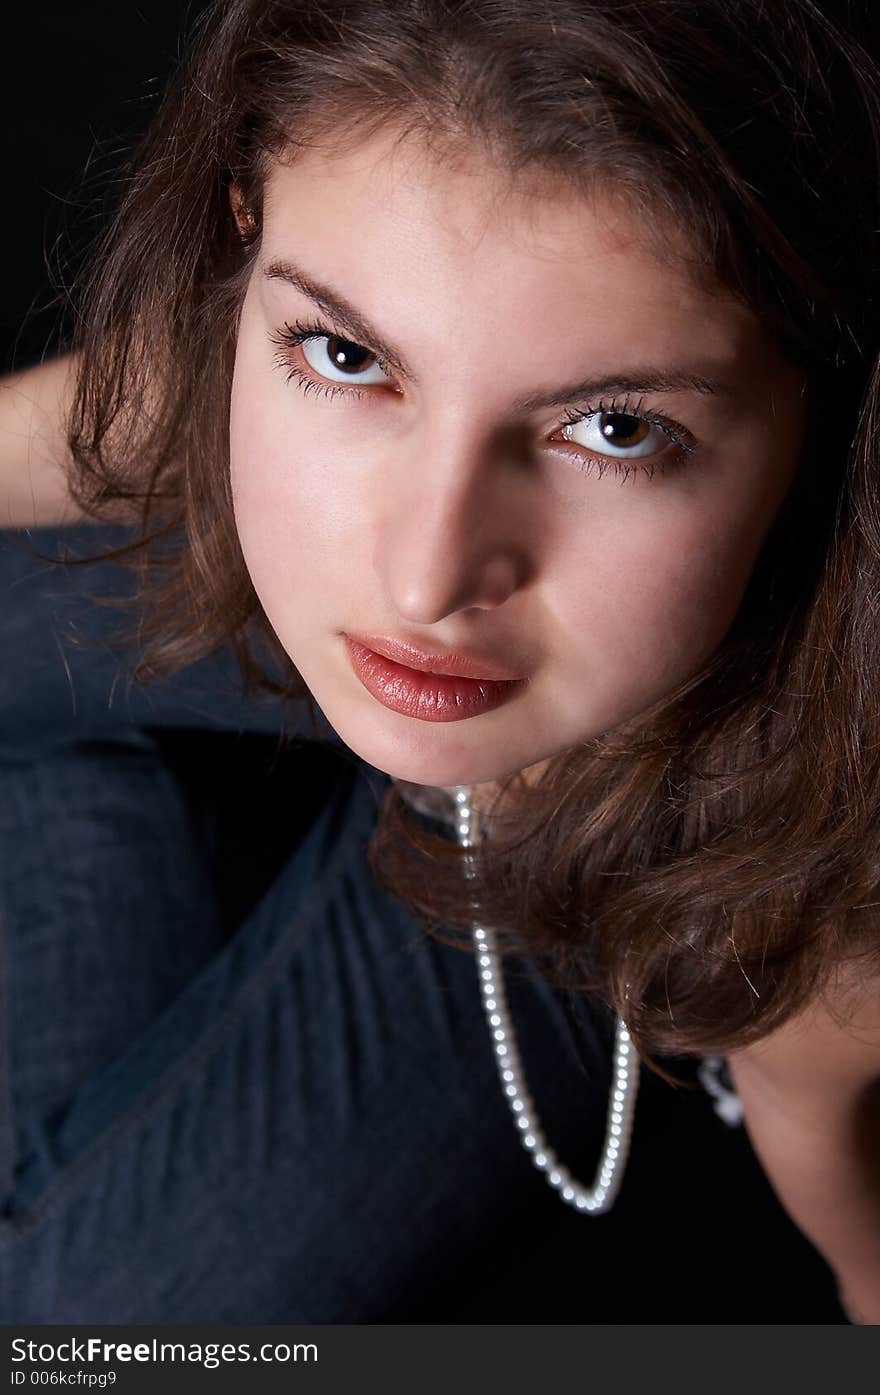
{"x":625,"y":1070}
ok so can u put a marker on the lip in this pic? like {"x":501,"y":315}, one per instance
{"x":459,"y":665}
{"x":426,"y":696}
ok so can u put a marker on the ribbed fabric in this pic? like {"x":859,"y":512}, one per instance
{"x":299,"y":1120}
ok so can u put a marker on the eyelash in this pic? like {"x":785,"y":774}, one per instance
{"x":290,"y":337}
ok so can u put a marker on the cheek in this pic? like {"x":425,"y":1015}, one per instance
{"x":655,"y":598}
{"x":293,"y":513}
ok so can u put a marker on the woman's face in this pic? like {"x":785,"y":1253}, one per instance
{"x":445,"y":495}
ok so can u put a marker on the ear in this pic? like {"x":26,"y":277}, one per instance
{"x":243,"y":215}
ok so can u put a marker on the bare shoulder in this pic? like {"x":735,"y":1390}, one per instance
{"x":832,"y":1044}
{"x":33,"y":447}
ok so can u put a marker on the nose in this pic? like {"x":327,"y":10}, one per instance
{"x":454,"y":532}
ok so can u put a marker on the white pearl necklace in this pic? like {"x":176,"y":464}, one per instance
{"x":625,"y":1071}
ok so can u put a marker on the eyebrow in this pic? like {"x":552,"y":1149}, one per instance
{"x":640,"y":378}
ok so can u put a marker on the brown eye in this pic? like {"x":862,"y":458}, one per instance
{"x":335,"y":359}
{"x":345,"y":355}
{"x":620,"y":429}
{"x":617,"y":435}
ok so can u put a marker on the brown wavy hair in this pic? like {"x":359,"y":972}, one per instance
{"x":705,"y":869}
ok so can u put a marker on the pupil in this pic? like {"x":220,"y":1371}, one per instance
{"x":618,"y":427}
{"x":345,"y":354}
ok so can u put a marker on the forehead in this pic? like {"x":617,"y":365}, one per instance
{"x":455,"y":226}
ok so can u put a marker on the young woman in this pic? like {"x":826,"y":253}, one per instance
{"x":502,"y":385}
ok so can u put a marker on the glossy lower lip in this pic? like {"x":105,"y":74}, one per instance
{"x":430,"y":697}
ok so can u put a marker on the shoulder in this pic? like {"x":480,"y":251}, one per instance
{"x":832,"y":1045}
{"x":33,"y":445}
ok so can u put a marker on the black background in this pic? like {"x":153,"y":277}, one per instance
{"x":79,"y":85}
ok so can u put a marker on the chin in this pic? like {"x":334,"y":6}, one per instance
{"x":423,"y":759}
